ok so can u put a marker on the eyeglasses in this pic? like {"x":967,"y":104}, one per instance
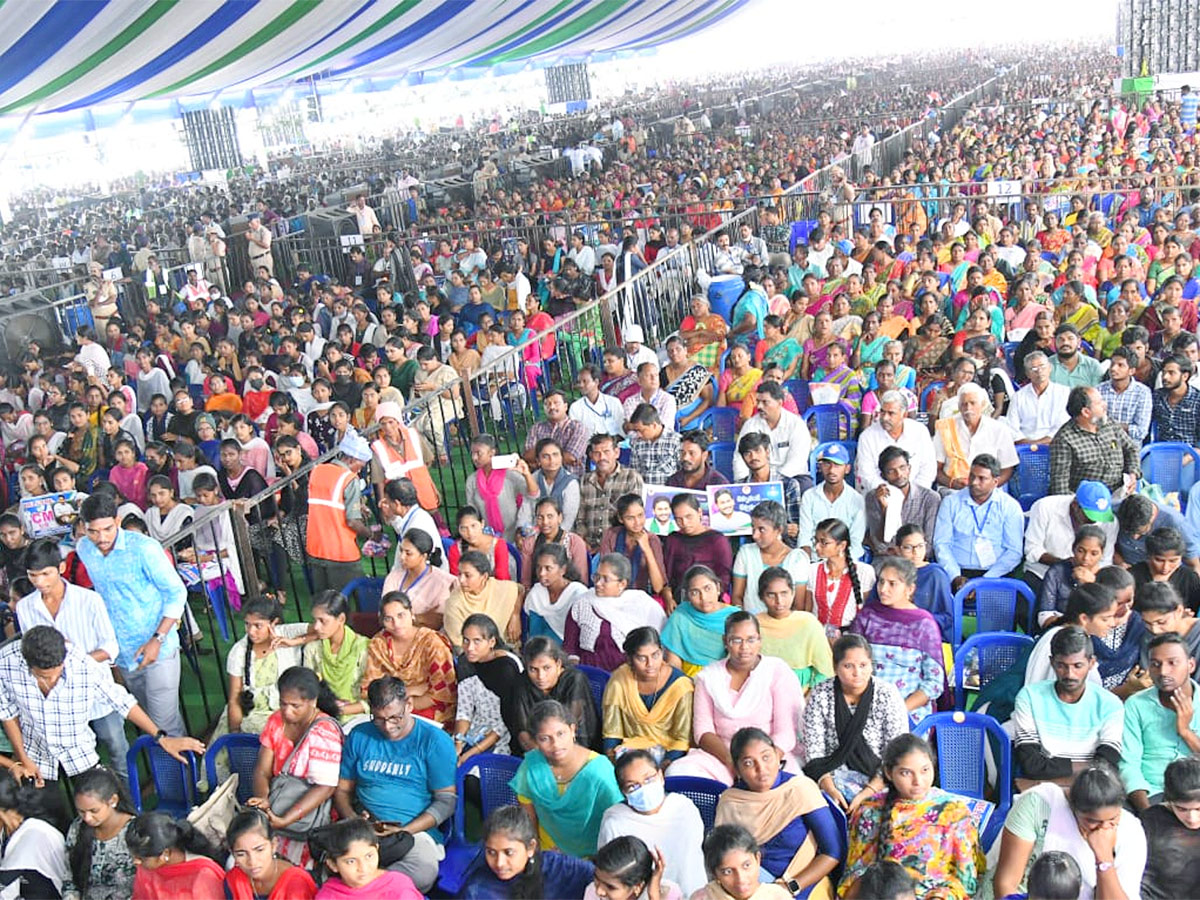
{"x":388,"y":720}
{"x":920,"y":546}
{"x":632,"y":786}
{"x":738,"y":642}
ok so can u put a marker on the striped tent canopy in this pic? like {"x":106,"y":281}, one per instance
{"x":63,"y":55}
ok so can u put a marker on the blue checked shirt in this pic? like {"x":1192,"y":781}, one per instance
{"x":140,"y":588}
{"x":1130,"y":407}
{"x":54,"y":728}
{"x":1180,"y":422}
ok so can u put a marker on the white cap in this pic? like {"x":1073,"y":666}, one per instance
{"x":634,"y":334}
{"x":389,"y":410}
{"x":354,"y":445}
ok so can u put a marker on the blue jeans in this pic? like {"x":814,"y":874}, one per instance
{"x":110,"y":730}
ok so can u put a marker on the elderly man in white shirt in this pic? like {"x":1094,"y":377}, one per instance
{"x":967,"y":434}
{"x":893,"y":428}
{"x":790,"y":441}
{"x":1039,"y":408}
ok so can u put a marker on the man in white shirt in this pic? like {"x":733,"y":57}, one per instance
{"x":1053,"y":521}
{"x":584,"y":256}
{"x":82,"y":618}
{"x":403,"y":512}
{"x":92,"y":356}
{"x":968,"y":434}
{"x":649,"y":392}
{"x":754,"y":249}
{"x":364,"y":215}
{"x":1039,"y":408}
{"x":636,"y":349}
{"x":601,"y":413}
{"x":892,"y":427}
{"x":789,"y":436}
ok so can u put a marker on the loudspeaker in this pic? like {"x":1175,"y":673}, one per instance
{"x":211,"y":138}
{"x":28,"y":319}
{"x":565,"y":84}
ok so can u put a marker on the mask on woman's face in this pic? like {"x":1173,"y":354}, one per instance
{"x":293,"y":381}
{"x":256,"y":383}
{"x":647,"y":797}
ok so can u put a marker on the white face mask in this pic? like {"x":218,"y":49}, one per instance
{"x":648,"y":797}
{"x":294,"y":381}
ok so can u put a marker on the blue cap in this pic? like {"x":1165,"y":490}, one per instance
{"x":835,"y":453}
{"x":1095,"y":499}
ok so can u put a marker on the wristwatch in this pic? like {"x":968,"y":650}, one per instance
{"x":160,"y":637}
{"x":793,"y":886}
{"x":159,"y":735}
{"x":1104,"y":866}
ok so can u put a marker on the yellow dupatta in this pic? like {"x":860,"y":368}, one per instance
{"x":668,"y":723}
{"x":765,"y":814}
{"x":799,"y":640}
{"x":742,"y":385}
{"x":957,"y":465}
{"x":497,"y":601}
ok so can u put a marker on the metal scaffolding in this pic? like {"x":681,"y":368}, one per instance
{"x":1158,"y":36}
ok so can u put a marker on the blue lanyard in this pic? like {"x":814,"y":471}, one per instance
{"x":604,"y":413}
{"x":415,"y":583}
{"x":975,"y":515}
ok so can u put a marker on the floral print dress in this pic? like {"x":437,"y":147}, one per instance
{"x":112,"y":868}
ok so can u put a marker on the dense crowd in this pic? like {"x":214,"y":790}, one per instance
{"x":741,"y":558}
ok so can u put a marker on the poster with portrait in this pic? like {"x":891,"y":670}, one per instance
{"x":50,"y":515}
{"x":730,"y":504}
{"x":658,"y":497}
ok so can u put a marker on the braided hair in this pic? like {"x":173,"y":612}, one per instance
{"x":836,"y":530}
{"x":103,"y":784}
{"x":897,"y":748}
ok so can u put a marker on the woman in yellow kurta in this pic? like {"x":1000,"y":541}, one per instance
{"x":647,"y":702}
{"x":795,"y":636}
{"x":479,"y":592}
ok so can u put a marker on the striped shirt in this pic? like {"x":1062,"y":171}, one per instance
{"x":1071,"y":731}
{"x":81,"y":618}
{"x":54,"y":727}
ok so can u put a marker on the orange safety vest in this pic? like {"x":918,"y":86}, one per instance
{"x":407,"y":463}
{"x":329,"y":537}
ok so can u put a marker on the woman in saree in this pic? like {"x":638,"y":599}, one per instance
{"x":1040,"y":337}
{"x":703,"y":332}
{"x":747,"y":316}
{"x":479,"y":593}
{"x":782,"y":809}
{"x":868,"y":346}
{"x":1074,"y":310}
{"x":957,"y":266}
{"x":600,"y":619}
{"x":885,"y":380}
{"x":793,"y":635}
{"x":836,"y":372}
{"x":1055,"y":237}
{"x":906,"y":376}
{"x":926,"y":353}
{"x":928,"y":831}
{"x":548,"y":520}
{"x":418,"y":574}
{"x":418,"y":656}
{"x":798,"y":323}
{"x":687,"y":381}
{"x":549,"y":675}
{"x":556,"y":586}
{"x":643,"y":549}
{"x":562,"y":785}
{"x":777,"y":348}
{"x":738,"y":380}
{"x":906,"y":639}
{"x":816,"y":348}
{"x":845,"y":325}
{"x":848,"y":720}
{"x":768,"y":525}
{"x":647,"y":703}
{"x":1023,"y":308}
{"x":694,"y":635}
{"x":746,"y":689}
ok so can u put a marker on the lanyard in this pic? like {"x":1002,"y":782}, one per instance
{"x":415,"y":583}
{"x":975,"y":515}
{"x":604,"y":413}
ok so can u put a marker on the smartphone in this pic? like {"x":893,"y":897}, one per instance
{"x":504,"y":461}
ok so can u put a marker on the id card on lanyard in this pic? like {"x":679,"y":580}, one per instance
{"x":985,"y":551}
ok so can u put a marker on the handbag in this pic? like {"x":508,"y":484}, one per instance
{"x":287,"y":789}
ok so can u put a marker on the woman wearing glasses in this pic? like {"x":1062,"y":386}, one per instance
{"x":743,"y":690}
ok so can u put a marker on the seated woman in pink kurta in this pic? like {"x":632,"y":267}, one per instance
{"x":746,"y":689}
{"x":600,"y":619}
{"x":128,"y":475}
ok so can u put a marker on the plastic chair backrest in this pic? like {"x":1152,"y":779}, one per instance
{"x":799,"y":391}
{"x":365,"y":592}
{"x":814,"y":457}
{"x":831,"y":421}
{"x":724,"y":423}
{"x":174,"y":782}
{"x":598,"y":681}
{"x":961,"y":740}
{"x":495,"y":771}
{"x":704,"y":792}
{"x":1172,"y":465}
{"x":514,"y":562}
{"x":994,"y":655}
{"x":930,"y":389}
{"x":447,"y":543}
{"x":1031,"y":479}
{"x":242,"y":751}
{"x":1010,"y":357}
{"x":721,"y":454}
{"x":996,"y":601}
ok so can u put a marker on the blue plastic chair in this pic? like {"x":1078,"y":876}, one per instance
{"x":721,"y":454}
{"x":598,"y":680}
{"x":995,"y":654}
{"x":365,"y":592}
{"x":1031,"y":479}
{"x":814,"y":470}
{"x":495,"y":770}
{"x":702,"y":421}
{"x":831,"y":421}
{"x":704,"y":792}
{"x":514,"y":556}
{"x":995,"y":606}
{"x":843,"y":847}
{"x":961,"y":741}
{"x":242,"y":750}
{"x":1172,"y":465}
{"x":724,"y":423}
{"x":447,"y":543}
{"x":174,"y":782}
{"x":799,"y":391}
{"x":930,"y":389}
{"x":217,"y":599}
{"x":1010,"y":357}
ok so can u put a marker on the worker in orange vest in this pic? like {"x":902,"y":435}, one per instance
{"x":335,"y":520}
{"x":398,"y":454}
